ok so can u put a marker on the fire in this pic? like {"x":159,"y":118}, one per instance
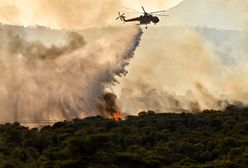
{"x":116,"y":116}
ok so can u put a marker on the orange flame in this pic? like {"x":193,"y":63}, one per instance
{"x":116,"y":116}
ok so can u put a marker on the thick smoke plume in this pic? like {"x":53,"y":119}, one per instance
{"x":55,"y":75}
{"x":188,"y":69}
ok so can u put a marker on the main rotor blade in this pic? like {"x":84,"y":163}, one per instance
{"x":132,"y":10}
{"x":160,"y":15}
{"x":135,"y":12}
{"x":158,"y":11}
{"x":144,"y":9}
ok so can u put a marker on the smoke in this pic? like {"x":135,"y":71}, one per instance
{"x":55,"y":75}
{"x":37,"y":50}
{"x":51,"y":74}
{"x":107,"y":105}
{"x":174,"y":64}
{"x":186,"y":69}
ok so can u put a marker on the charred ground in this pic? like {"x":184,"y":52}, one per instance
{"x":207,"y":139}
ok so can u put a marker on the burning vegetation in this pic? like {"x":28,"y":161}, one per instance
{"x":116,"y":116}
{"x":108,"y":107}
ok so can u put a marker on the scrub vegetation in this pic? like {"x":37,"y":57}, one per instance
{"x":208,"y":139}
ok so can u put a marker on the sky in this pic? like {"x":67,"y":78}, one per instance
{"x":81,"y":14}
{"x":71,"y":14}
{"x":222,"y":14}
{"x":151,"y":6}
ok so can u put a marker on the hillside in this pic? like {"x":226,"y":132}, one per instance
{"x":207,"y":139}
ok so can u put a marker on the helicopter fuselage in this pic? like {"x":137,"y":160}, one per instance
{"x":144,"y":19}
{"x":147,"y":19}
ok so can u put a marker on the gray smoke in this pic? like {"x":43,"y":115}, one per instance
{"x":186,"y":69}
{"x":56,"y":75}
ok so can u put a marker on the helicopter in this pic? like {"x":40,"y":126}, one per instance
{"x":144,"y":19}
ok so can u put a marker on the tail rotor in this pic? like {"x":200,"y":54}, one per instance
{"x":121,"y":16}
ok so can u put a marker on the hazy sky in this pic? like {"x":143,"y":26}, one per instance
{"x":151,"y":5}
{"x":80,"y":14}
{"x":69,"y":14}
{"x":223,"y":14}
